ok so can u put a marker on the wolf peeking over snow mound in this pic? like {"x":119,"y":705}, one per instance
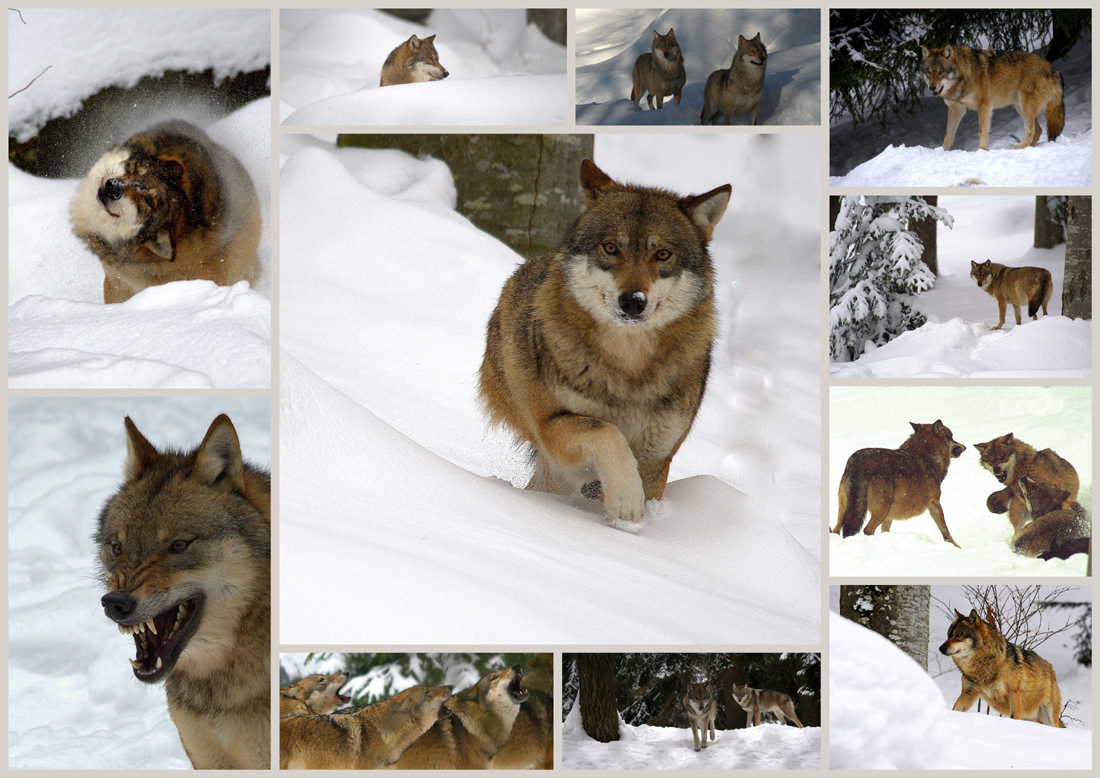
{"x":414,"y":61}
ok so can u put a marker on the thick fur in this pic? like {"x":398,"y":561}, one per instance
{"x":897,"y":483}
{"x":370,"y":737}
{"x":531,"y":746}
{"x":414,"y":61}
{"x":701,"y":709}
{"x":739,"y":89}
{"x":315,"y":694}
{"x":167,"y":205}
{"x":660,"y":72}
{"x":981,"y":80}
{"x":598,"y":354}
{"x":1014,"y":681}
{"x":482,"y":723}
{"x":185,"y":548}
{"x":1055,"y":526}
{"x":757,"y":701}
{"x":1010,"y":459}
{"x":1030,"y":286}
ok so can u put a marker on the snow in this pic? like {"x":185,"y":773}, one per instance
{"x":385,"y":455}
{"x":503,"y":71}
{"x":610,"y":40}
{"x":1059,"y":418}
{"x":73,"y":701}
{"x":958,"y":341}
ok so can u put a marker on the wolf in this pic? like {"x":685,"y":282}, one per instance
{"x":597,"y":355}
{"x":412,"y":62}
{"x":315,"y":694}
{"x":1030,"y":286}
{"x":167,"y":205}
{"x":897,"y":483}
{"x":701,"y":709}
{"x":370,"y":737}
{"x":739,"y":89}
{"x":1012,"y":680}
{"x":1055,"y":526}
{"x":981,"y":80}
{"x":531,"y":746}
{"x":659,"y":72}
{"x":1010,"y":459}
{"x":757,"y":701}
{"x":482,"y":723}
{"x":185,"y":552}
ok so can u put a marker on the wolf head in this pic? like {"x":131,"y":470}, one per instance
{"x":1041,"y":499}
{"x":425,"y":65}
{"x":698,"y":697}
{"x":319,"y":693}
{"x":982,"y":273}
{"x":938,"y":69}
{"x":998,"y":456}
{"x":420,"y":705}
{"x":750,"y":52}
{"x":665,"y":47}
{"x":965,"y":635}
{"x":940,"y":433}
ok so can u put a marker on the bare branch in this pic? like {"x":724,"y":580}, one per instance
{"x":17,"y":91}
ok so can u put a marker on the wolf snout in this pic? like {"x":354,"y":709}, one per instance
{"x":957,"y":449}
{"x":112,"y":190}
{"x":118,"y":606}
{"x":632,"y":303}
{"x":444,"y":75}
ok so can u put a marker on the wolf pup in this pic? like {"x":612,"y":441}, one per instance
{"x":1010,"y":459}
{"x":185,"y":549}
{"x":981,"y":80}
{"x":1057,"y":526}
{"x":598,"y":355}
{"x":412,"y":62}
{"x":315,"y":694}
{"x":660,"y":72}
{"x":1030,"y":286}
{"x":897,"y":483}
{"x":701,"y":709}
{"x":168,"y":205}
{"x":531,"y":746}
{"x":1012,"y":680}
{"x":757,"y":701}
{"x":739,"y":89}
{"x":482,"y":723}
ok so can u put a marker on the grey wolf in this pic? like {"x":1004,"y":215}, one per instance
{"x":167,"y":205}
{"x":739,"y":89}
{"x":897,"y":483}
{"x":597,"y":355}
{"x":315,"y":694}
{"x":1057,"y":527}
{"x":659,"y":72}
{"x":1010,"y":459}
{"x":482,"y":723}
{"x":414,"y":61}
{"x":981,"y":80}
{"x":757,"y":701}
{"x":370,"y":737}
{"x":531,"y":746}
{"x":1030,"y":286}
{"x":701,"y":709}
{"x":1015,"y":681}
{"x":185,"y":550}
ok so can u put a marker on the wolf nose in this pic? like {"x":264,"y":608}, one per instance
{"x":112,"y":189}
{"x":445,"y":74}
{"x":118,"y":606}
{"x":632,"y":303}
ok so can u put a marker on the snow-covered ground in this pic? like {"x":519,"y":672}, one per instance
{"x":385,"y":456}
{"x":73,"y":701}
{"x":610,"y":40}
{"x":958,"y":340}
{"x":503,"y":71}
{"x":1058,"y":417}
{"x":910,"y":153}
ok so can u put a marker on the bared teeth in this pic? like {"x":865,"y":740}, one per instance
{"x":135,"y":664}
{"x":152,"y":627}
{"x":160,"y":664}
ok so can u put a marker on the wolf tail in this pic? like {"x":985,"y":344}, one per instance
{"x":1040,"y":295}
{"x":1056,"y":112}
{"x":851,"y":521}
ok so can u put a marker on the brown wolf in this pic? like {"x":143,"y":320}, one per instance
{"x":414,"y":61}
{"x":757,"y":701}
{"x":1010,"y":459}
{"x":1015,"y":681}
{"x":701,"y":709}
{"x":660,"y":72}
{"x":739,"y":89}
{"x":1030,"y":286}
{"x":897,"y":483}
{"x":168,"y":205}
{"x":481,"y":725}
{"x":598,"y":355}
{"x":370,"y":737}
{"x":315,"y":694}
{"x":531,"y":746}
{"x":981,"y":80}
{"x":185,"y":548}
{"x":1057,"y":527}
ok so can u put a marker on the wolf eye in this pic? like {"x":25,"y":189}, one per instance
{"x":610,"y":248}
{"x":116,"y":549}
{"x":179,"y":546}
{"x":663,"y":255}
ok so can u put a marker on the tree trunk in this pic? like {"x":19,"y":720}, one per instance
{"x":735,"y":714}
{"x":1077,"y":285}
{"x":599,"y":716}
{"x":925,"y":229}
{"x":898,"y":613}
{"x":1049,"y":222}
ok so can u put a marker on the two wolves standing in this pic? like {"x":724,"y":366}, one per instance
{"x":701,"y":708}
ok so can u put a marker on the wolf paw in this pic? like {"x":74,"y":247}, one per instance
{"x":624,"y":504}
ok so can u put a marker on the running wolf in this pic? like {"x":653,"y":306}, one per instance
{"x":481,"y":725}
{"x":981,"y":80}
{"x":1030,"y":286}
{"x":598,"y":355}
{"x":1010,"y":459}
{"x":739,"y":89}
{"x":1057,"y":527}
{"x":660,"y":72}
{"x":414,"y":61}
{"x":701,"y":709}
{"x":315,"y":694}
{"x":897,"y":483}
{"x":1015,"y":681}
{"x":531,"y":746}
{"x":757,"y":701}
{"x":167,"y":205}
{"x":185,"y":549}
{"x":370,"y":737}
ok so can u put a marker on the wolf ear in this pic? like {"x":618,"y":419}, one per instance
{"x":140,"y":453}
{"x":947,"y":51}
{"x":706,"y":209}
{"x":958,"y":615}
{"x":161,"y":245}
{"x":218,"y":460}
{"x":974,"y":614}
{"x":414,"y":42}
{"x":595,"y":182}
{"x":468,"y":694}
